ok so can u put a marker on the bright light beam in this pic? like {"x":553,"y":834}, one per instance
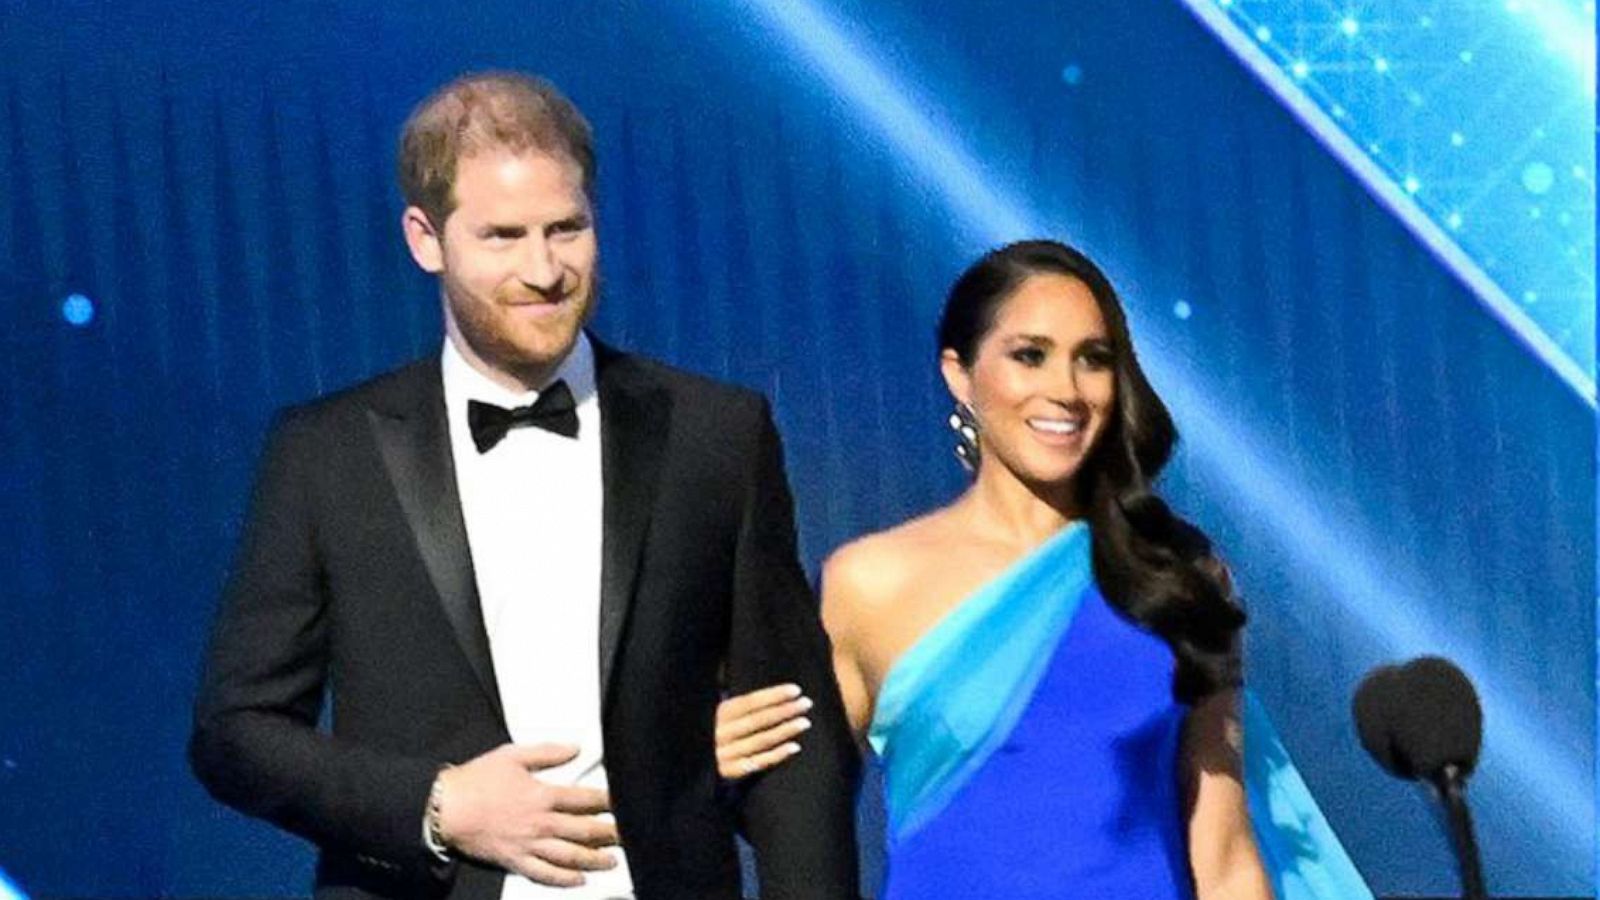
{"x":9,"y":890}
{"x":1565,"y":32}
{"x":889,"y":110}
{"x":1404,"y":207}
{"x":1383,"y":605}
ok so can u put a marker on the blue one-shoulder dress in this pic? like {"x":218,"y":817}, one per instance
{"x":1030,"y":744}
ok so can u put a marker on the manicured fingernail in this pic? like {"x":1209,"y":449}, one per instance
{"x":791,"y":690}
{"x":803,"y":704}
{"x":791,"y":748}
{"x":802,"y":724}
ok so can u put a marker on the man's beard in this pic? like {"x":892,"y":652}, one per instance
{"x":491,"y":344}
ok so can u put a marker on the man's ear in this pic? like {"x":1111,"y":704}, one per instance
{"x":956,"y":377}
{"x":425,"y":242}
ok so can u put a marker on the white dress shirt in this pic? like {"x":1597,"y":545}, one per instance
{"x":532,"y":505}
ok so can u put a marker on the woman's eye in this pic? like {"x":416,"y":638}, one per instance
{"x":1096,"y":357}
{"x":1028,"y":356}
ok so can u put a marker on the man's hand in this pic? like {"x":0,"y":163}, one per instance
{"x":493,"y":808}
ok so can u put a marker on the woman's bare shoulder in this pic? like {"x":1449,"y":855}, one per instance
{"x":874,"y":570}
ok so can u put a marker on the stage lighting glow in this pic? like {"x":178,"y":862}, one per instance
{"x":1434,"y":69}
{"x":1368,"y":582}
{"x":1568,"y":33}
{"x":1072,"y":75}
{"x":1538,"y":178}
{"x":10,"y":890}
{"x":1182,"y":310}
{"x":78,"y":310}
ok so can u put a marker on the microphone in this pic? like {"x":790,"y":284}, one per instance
{"x":1421,"y":721}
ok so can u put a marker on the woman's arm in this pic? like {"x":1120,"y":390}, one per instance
{"x":1222,"y":846}
{"x":761,"y":729}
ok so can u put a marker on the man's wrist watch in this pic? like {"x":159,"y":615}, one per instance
{"x":432,"y":832}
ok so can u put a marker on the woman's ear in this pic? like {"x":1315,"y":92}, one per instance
{"x":956,"y":377}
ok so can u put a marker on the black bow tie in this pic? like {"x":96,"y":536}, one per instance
{"x":554,"y":411}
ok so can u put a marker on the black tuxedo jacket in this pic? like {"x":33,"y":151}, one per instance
{"x":355,"y":581}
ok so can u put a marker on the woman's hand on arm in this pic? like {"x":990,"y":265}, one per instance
{"x":757,"y":731}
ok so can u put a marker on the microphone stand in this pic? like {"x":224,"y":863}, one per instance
{"x":1450,"y":784}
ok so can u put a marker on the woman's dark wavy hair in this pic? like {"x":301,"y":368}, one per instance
{"x":1156,"y":568}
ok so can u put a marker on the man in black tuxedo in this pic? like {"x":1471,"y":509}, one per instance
{"x":524,"y":570}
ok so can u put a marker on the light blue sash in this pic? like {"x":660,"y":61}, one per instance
{"x":1298,"y":847}
{"x":954,"y":697}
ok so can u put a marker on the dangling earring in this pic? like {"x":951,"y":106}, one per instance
{"x":965,"y":424}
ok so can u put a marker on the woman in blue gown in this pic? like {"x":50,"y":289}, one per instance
{"x":1048,"y":666}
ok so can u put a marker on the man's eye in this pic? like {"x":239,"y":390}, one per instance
{"x":571,"y":226}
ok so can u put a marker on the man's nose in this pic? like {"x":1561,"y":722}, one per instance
{"x":538,"y":269}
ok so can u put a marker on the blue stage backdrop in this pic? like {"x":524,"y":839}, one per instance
{"x":198,"y":225}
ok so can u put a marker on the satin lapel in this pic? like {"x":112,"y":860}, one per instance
{"x":409,"y":423}
{"x":634,"y":414}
